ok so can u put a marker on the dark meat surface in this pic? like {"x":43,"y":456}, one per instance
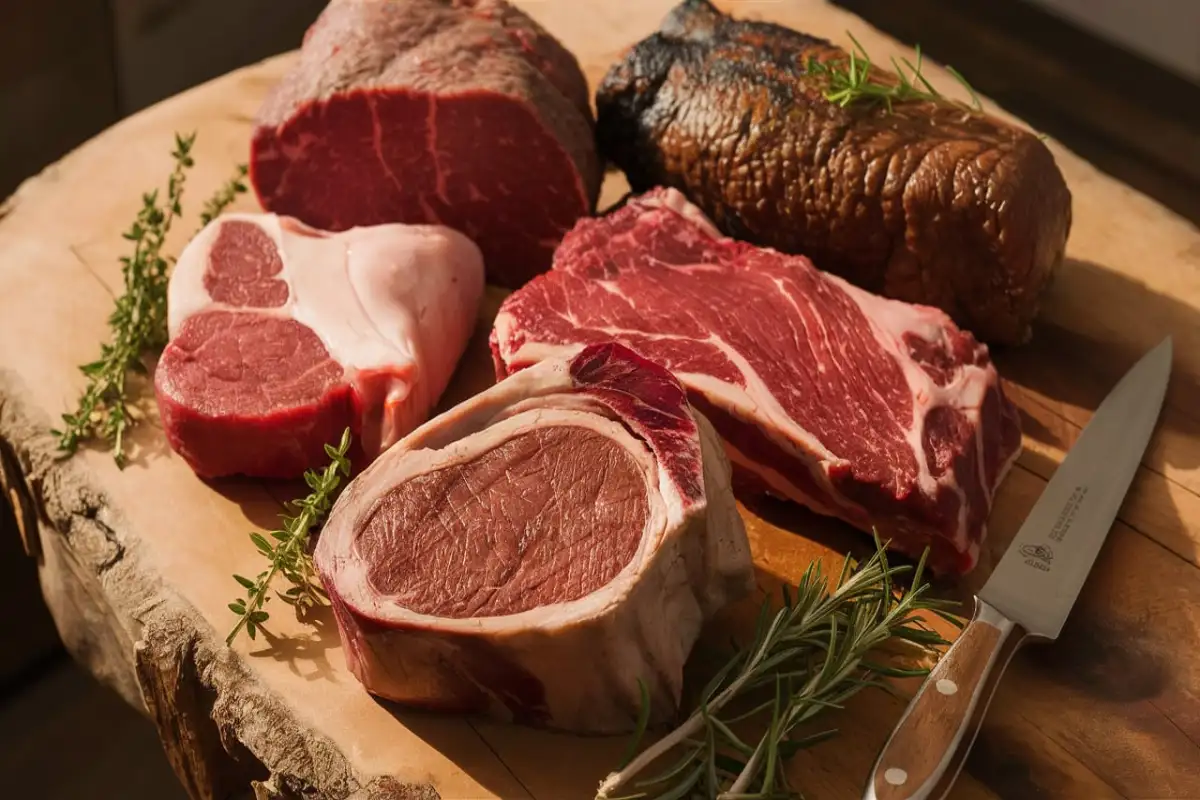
{"x":930,"y":203}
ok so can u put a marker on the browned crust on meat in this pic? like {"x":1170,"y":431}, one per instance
{"x":929,"y":202}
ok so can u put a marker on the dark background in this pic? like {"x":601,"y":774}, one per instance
{"x":70,"y":68}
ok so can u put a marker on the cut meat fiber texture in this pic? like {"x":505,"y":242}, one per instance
{"x":541,"y":550}
{"x":878,"y":412}
{"x":282,"y":336}
{"x":463,"y":113}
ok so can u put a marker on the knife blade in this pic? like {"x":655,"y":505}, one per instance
{"x":1031,"y":591}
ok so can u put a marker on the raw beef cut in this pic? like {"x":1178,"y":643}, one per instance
{"x":534,"y":552}
{"x":875,"y":411}
{"x":464,"y":113}
{"x":925,"y":201}
{"x":282,"y":336}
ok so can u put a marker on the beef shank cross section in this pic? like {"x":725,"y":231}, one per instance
{"x":283,"y":335}
{"x":537,"y":550}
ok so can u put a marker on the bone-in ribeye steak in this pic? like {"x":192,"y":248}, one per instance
{"x":882,"y":413}
{"x":282,"y":336}
{"x":464,"y":113}
{"x":577,"y":514}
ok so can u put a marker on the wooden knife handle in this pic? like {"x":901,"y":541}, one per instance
{"x":926,"y":750}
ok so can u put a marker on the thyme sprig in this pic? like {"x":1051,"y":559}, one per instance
{"x":813,"y":653}
{"x":225,"y":196}
{"x":851,"y":80}
{"x":289,"y":555}
{"x":138,"y":321}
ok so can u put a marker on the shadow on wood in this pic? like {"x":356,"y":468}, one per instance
{"x":1099,"y":348}
{"x":307,"y":655}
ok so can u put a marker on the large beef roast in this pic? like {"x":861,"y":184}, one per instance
{"x":536,"y":551}
{"x":882,"y":413}
{"x":282,"y":336}
{"x":464,"y":113}
{"x":926,"y":202}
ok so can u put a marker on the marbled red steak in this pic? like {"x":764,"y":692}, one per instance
{"x":577,"y":514}
{"x":464,"y":113}
{"x":879,"y":412}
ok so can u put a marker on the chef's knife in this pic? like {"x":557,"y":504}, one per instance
{"x":1031,"y":591}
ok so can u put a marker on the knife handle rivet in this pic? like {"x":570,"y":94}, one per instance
{"x":895,"y":776}
{"x":947,"y":686}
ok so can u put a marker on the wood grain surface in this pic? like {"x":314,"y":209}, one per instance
{"x":136,"y":565}
{"x":923,"y":757}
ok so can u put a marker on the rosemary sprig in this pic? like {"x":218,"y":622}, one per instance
{"x":288,"y":554}
{"x":851,"y":81}
{"x":225,"y":196}
{"x":812,"y":654}
{"x":138,"y":321}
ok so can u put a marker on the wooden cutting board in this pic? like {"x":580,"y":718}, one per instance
{"x":136,"y":565}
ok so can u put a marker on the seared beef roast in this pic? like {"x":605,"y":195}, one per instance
{"x":928,"y":202}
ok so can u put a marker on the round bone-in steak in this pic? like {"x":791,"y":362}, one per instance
{"x":576,"y":513}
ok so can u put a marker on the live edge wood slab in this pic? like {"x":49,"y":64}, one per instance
{"x":136,"y":565}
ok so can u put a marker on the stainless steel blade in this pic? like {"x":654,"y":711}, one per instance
{"x":1036,"y":582}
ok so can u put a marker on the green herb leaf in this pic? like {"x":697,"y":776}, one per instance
{"x":135,"y":322}
{"x":813,"y":653}
{"x":851,"y":80}
{"x":643,"y":721}
{"x":289,"y":557}
{"x":138,"y":322}
{"x":225,"y":196}
{"x":262,"y":544}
